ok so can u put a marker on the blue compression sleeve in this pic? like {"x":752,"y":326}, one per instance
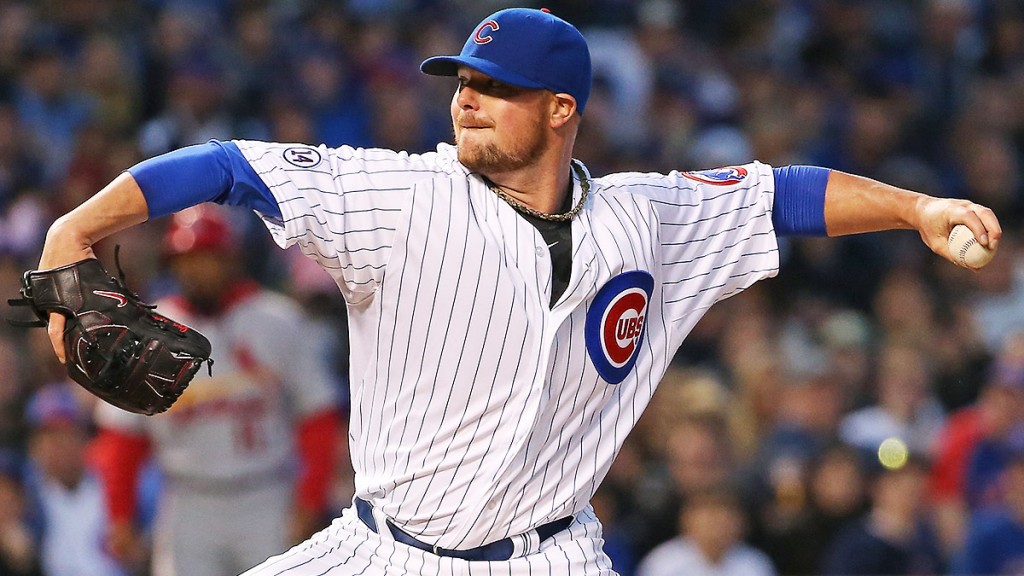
{"x":211,"y":172}
{"x":800,"y":200}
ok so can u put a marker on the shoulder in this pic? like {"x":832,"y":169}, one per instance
{"x":672,"y":553}
{"x":648,"y":190}
{"x":271,"y":304}
{"x":746,"y":559}
{"x":700,"y":185}
{"x":321,"y":158}
{"x":868,"y":421}
{"x":640,"y":182}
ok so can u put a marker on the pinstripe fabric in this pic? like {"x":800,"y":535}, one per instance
{"x":348,"y":548}
{"x":477,"y":413}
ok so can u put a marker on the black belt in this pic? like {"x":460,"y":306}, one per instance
{"x":495,"y":551}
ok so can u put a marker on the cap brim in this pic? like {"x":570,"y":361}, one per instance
{"x":449,"y":66}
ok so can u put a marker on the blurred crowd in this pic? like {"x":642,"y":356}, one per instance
{"x":859,"y":414}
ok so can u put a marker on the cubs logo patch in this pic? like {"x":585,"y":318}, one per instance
{"x":725,"y":176}
{"x":483,"y":33}
{"x":302,"y":156}
{"x":616,"y":324}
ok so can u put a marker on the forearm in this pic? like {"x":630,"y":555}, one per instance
{"x":854,"y":204}
{"x":211,"y":172}
{"x":117,"y":206}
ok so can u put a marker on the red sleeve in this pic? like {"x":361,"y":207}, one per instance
{"x":956,"y":443}
{"x":118,"y":457}
{"x":317,"y":440}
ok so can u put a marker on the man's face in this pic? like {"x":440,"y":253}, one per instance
{"x":498,"y":127}
{"x":714,"y":526}
{"x":58,"y":448}
{"x":203,"y":276}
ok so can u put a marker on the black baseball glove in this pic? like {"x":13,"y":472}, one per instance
{"x":115,"y":345}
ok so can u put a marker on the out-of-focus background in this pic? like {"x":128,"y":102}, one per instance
{"x":861,"y":413}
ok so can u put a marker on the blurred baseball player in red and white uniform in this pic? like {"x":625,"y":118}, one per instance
{"x":246,"y":456}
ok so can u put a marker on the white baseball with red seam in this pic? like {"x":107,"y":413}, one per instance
{"x":966,"y":250}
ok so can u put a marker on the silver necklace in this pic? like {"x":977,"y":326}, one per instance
{"x":564,"y":216}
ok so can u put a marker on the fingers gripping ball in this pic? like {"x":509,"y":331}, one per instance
{"x":966,"y":250}
{"x":117,"y":347}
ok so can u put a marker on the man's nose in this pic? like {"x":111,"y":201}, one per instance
{"x":468,"y":98}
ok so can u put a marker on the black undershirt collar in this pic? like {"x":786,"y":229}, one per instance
{"x":558,"y":238}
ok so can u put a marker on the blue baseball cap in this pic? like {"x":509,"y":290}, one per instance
{"x":527,"y":48}
{"x":54,"y":404}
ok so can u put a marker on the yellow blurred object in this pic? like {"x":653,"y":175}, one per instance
{"x":893,"y":453}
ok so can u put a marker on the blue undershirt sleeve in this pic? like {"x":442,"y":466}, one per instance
{"x":799,"y":208}
{"x":212,"y":172}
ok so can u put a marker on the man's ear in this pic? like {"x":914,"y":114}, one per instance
{"x":562,"y":109}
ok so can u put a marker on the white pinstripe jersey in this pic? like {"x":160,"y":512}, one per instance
{"x":478,"y":411}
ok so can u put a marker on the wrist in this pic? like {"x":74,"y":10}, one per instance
{"x":65,"y":243}
{"x":917,"y":215}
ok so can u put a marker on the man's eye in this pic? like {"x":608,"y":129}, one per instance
{"x":502,"y":89}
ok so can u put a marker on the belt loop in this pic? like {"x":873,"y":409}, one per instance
{"x":532,"y":541}
{"x":365,"y":513}
{"x":382,"y":523}
{"x":523,"y":544}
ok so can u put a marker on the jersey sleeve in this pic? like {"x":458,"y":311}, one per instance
{"x":340,"y":205}
{"x":716,"y":234}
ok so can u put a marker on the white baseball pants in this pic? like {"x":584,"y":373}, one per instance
{"x":348,"y":548}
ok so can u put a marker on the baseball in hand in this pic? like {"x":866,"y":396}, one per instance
{"x":966,"y":250}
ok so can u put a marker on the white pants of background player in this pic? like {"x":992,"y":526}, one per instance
{"x":348,"y":547}
{"x":219,"y":532}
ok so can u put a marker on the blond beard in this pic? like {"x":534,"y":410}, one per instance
{"x":490,"y":158}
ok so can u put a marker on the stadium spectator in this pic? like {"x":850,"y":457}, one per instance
{"x":247,"y":454}
{"x":65,"y":494}
{"x":894,"y":536}
{"x":906,"y":408}
{"x":998,"y":409}
{"x":710,"y":540}
{"x":18,"y":555}
{"x":995,"y":539}
{"x":836,"y":493}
